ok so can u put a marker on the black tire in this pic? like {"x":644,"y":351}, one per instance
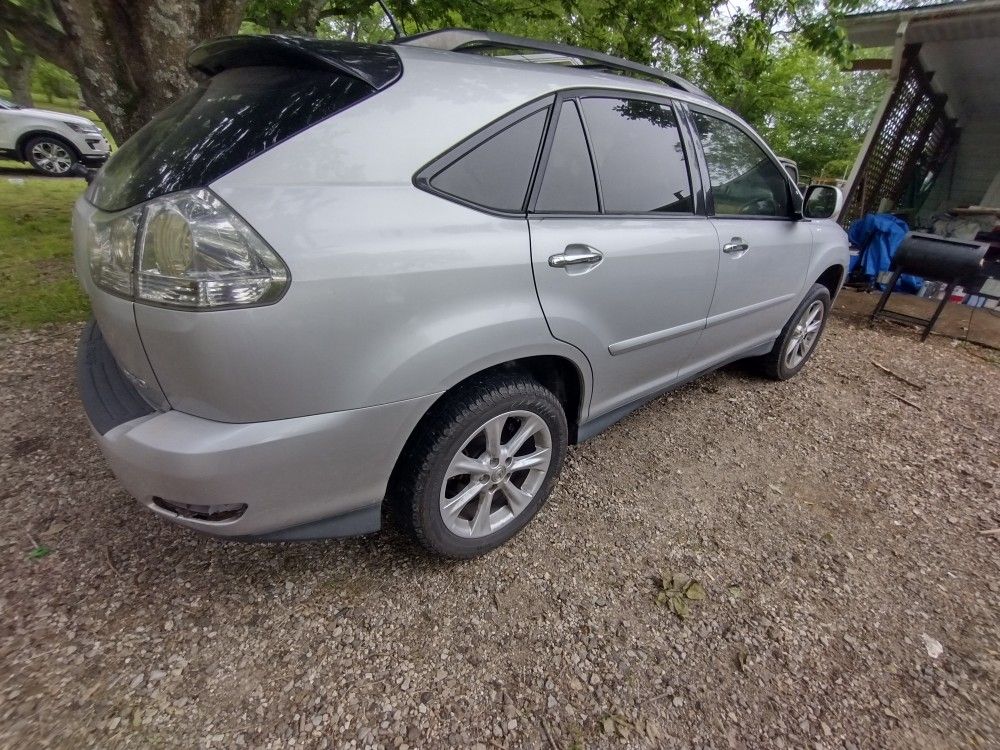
{"x":416,"y":491}
{"x":64,"y":156}
{"x":775,"y":364}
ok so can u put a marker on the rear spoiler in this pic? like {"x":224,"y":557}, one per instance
{"x":376,"y":65}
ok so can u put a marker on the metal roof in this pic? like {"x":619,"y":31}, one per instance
{"x":972,"y":19}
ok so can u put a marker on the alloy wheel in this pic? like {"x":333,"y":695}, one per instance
{"x":496,"y":473}
{"x":804,"y":335}
{"x":51,"y":157}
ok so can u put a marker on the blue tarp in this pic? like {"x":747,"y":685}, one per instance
{"x":878,"y":236}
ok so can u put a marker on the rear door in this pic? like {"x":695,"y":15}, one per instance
{"x":764,"y":251}
{"x":624,"y":264}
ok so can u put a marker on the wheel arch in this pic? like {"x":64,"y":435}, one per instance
{"x":559,"y":373}
{"x":22,"y":142}
{"x":832,"y":278}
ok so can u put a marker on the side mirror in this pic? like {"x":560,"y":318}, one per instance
{"x":822,"y":202}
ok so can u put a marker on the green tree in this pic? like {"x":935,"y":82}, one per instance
{"x":773,"y":61}
{"x":16,"y":65}
{"x":53,"y":81}
{"x":819,"y":113}
{"x":128,"y":56}
{"x":779,"y":64}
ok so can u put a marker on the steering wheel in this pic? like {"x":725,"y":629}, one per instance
{"x":760,"y":207}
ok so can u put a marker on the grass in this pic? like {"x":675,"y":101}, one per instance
{"x":37,"y":285}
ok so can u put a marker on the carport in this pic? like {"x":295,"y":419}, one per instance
{"x":931,"y":155}
{"x":932,"y":145}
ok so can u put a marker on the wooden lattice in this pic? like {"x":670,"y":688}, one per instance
{"x":910,"y":144}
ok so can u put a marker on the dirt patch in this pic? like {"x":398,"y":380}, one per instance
{"x":831,"y":527}
{"x":51,"y":270}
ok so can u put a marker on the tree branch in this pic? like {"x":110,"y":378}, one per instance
{"x":222,"y":13}
{"x":36,"y":34}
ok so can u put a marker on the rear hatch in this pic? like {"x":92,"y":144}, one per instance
{"x":260,"y":91}
{"x":257,"y":92}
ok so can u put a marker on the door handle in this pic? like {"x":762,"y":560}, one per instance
{"x":575,"y":255}
{"x":736,"y":246}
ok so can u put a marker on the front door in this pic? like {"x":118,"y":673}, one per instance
{"x":624,"y":268}
{"x":764,"y":253}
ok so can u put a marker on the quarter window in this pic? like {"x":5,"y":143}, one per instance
{"x":640,"y":156}
{"x":568,"y":184}
{"x":495,"y":173}
{"x":744,"y":180}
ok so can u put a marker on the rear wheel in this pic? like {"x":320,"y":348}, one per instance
{"x":800,"y":336}
{"x":482,"y":466}
{"x":50,"y":155}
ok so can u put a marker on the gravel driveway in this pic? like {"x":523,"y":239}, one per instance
{"x":835,"y":531}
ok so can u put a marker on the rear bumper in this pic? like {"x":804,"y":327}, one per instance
{"x":305,"y":478}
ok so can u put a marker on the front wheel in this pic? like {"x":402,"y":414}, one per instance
{"x":482,"y":466}
{"x":50,"y":155}
{"x":800,"y":336}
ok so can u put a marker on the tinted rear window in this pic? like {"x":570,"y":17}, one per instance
{"x":495,"y":173}
{"x":568,"y":184}
{"x":226,"y":122}
{"x":639,"y":154}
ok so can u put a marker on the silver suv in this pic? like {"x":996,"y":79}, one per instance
{"x":338,"y":277}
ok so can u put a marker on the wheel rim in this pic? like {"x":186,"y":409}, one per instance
{"x":805,"y":334}
{"x":496,"y":474}
{"x":51,"y":157}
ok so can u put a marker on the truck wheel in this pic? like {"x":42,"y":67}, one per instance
{"x":800,"y":336}
{"x":50,"y":155}
{"x":482,"y":465}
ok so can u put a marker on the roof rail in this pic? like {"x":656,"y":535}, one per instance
{"x":470,"y":40}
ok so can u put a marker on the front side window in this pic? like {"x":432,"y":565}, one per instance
{"x":640,"y":156}
{"x":568,"y":183}
{"x":745,"y":182}
{"x":495,"y":174}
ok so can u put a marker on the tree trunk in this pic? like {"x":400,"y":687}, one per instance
{"x":18,"y":80}
{"x":16,"y":70}
{"x":129,"y":56}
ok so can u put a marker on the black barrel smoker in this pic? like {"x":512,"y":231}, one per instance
{"x":934,"y":258}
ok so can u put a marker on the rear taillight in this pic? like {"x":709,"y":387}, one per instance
{"x":187,"y":250}
{"x":111,"y":244}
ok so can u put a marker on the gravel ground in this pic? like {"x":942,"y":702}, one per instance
{"x":834,"y":529}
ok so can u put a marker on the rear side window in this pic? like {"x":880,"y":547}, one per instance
{"x":495,"y":174}
{"x":224,"y":123}
{"x":745,"y":182}
{"x":640,"y":156}
{"x":568,"y":183}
